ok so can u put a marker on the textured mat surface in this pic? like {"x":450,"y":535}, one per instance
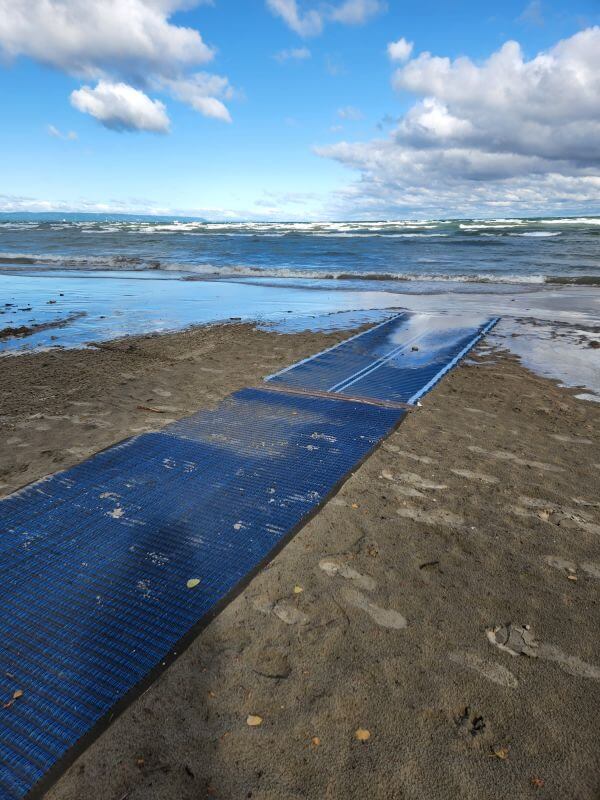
{"x":399,"y":360}
{"x":96,"y":560}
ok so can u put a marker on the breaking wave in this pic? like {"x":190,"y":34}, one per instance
{"x":208,"y":271}
{"x":95,"y":224}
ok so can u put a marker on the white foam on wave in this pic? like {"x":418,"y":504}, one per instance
{"x":241,"y":271}
{"x":485,"y":226}
{"x":290,"y":228}
{"x":210,"y":271}
{"x":55,"y":261}
{"x":571,"y":221}
{"x":539,"y":234}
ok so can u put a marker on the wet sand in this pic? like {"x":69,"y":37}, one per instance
{"x":397,"y":610}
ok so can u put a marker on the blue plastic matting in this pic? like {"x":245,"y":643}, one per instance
{"x":399,"y":360}
{"x":96,"y":560}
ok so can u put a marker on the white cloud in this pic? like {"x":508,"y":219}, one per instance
{"x":92,"y":37}
{"x":202,"y":92}
{"x":400,"y":50}
{"x":121,"y":107}
{"x":350,"y":112}
{"x":507,"y":131}
{"x":293,"y":54}
{"x":115,"y":42}
{"x":310,"y":22}
{"x":52,"y":130}
{"x":356,"y":12}
{"x":271,"y":205}
{"x":547,"y":107}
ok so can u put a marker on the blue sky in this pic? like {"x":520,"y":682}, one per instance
{"x":309,"y":116}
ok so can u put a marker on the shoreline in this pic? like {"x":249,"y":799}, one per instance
{"x":468,"y":517}
{"x":555,"y":330}
{"x":34,"y":267}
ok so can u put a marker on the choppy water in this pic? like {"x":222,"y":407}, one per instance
{"x":563,"y":250}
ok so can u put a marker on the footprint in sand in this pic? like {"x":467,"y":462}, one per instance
{"x":283,"y":609}
{"x":414,"y":480}
{"x":579,"y":501}
{"x":392,"y":448}
{"x":438,"y":516}
{"x":384,"y":617}
{"x":262,"y":604}
{"x":519,"y":640}
{"x":569,"y":664}
{"x":290,"y":614}
{"x":337,"y":501}
{"x":570,"y":439}
{"x":561,"y":563}
{"x":408,"y":491}
{"x":546,"y":510}
{"x":504,"y":455}
{"x":480,"y":411}
{"x":493,"y":672}
{"x":333,"y":568}
{"x":474,"y":476}
{"x":591,"y":569}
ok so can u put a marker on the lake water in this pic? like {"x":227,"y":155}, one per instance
{"x":72,"y":281}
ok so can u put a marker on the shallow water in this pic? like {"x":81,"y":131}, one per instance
{"x":129,"y":304}
{"x":549,"y":328}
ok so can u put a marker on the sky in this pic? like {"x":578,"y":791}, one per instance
{"x":301,"y":109}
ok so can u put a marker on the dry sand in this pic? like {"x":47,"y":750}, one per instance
{"x":481,"y":512}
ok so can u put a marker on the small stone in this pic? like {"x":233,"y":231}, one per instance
{"x":514,"y":639}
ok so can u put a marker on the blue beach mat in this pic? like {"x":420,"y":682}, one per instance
{"x":111,"y":567}
{"x":398,"y":360}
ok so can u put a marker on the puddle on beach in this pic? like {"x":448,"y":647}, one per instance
{"x":549,"y":328}
{"x":108,"y":307}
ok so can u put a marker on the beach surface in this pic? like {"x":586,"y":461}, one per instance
{"x":430,"y":633}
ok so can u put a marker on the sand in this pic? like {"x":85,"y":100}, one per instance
{"x":397,"y":612}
